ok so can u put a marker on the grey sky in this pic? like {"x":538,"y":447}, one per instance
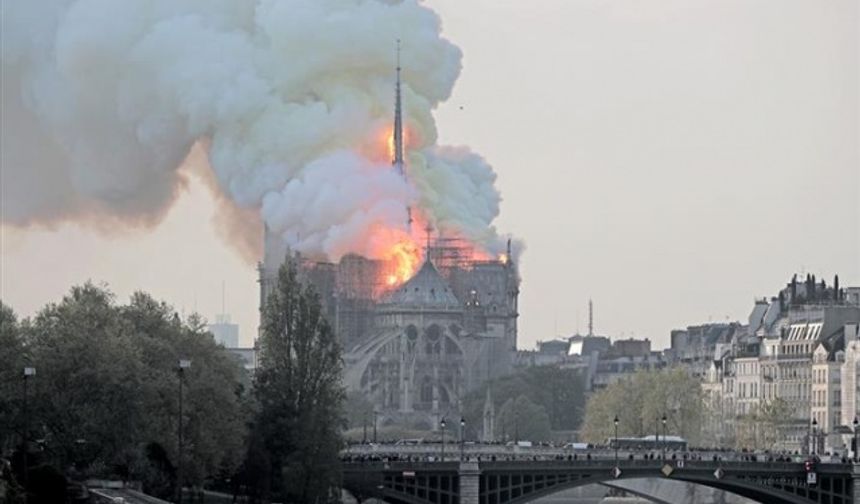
{"x":670,"y":159}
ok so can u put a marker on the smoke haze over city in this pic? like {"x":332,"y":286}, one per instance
{"x":666,"y":160}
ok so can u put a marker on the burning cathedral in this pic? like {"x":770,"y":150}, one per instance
{"x":418,"y":330}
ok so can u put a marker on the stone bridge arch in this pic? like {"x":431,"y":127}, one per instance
{"x":521,"y":482}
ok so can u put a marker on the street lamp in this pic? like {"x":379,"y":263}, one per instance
{"x":856,"y":422}
{"x":616,"y":439}
{"x":814,"y":435}
{"x":28,"y":372}
{"x":462,"y":438}
{"x":183,"y":365}
{"x":656,"y":431}
{"x":664,"y":419}
{"x":374,"y":426}
{"x":442,"y":425}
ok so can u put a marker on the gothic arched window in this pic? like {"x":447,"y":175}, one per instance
{"x":427,"y":390}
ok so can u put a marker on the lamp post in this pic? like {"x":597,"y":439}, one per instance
{"x":183,"y":365}
{"x":656,"y":432}
{"x":856,"y":423}
{"x":374,"y":426}
{"x":364,"y":430}
{"x":28,"y":372}
{"x":462,"y":438}
{"x":664,"y":419}
{"x":442,"y":425}
{"x":616,"y":439}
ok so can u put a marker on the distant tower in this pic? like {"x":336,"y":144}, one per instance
{"x":397,"y":162}
{"x":590,"y":318}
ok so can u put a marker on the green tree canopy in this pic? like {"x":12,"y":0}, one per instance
{"x":299,"y":391}
{"x":357,"y":410}
{"x":12,"y":362}
{"x":640,"y":402}
{"x":762,"y":428}
{"x":520,"y":419}
{"x":105,"y":394}
{"x":560,"y":392}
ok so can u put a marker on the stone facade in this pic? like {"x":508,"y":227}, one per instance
{"x":415,"y":349}
{"x":800,"y":348}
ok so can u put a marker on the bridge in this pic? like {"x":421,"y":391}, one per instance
{"x":487,"y":479}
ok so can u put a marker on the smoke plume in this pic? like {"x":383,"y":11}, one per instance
{"x":103,"y":100}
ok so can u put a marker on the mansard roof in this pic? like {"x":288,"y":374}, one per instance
{"x":427,"y":289}
{"x":835,"y":342}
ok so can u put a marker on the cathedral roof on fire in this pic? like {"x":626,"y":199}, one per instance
{"x":427,"y":289}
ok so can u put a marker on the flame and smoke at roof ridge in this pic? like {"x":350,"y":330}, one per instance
{"x":292,"y":102}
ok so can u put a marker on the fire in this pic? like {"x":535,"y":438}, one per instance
{"x":404,"y":257}
{"x":389,"y":140}
{"x":402,"y":252}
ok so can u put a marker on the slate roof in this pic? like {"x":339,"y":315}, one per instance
{"x":833,"y":343}
{"x":427,"y":289}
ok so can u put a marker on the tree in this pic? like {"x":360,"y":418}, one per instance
{"x":560,"y":392}
{"x":619,"y":399}
{"x":773,"y":416}
{"x":215,"y":410}
{"x":12,"y":360}
{"x":522,"y":419}
{"x":357,"y":410}
{"x":84,"y":391}
{"x":299,"y":391}
{"x":640,"y":402}
{"x":676,"y":394}
{"x":104,"y":398}
{"x":748,"y":431}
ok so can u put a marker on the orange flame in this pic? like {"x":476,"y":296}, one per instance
{"x":399,"y":253}
{"x":404,"y":257}
{"x":389,"y":139}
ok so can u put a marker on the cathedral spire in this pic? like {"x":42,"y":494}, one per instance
{"x":398,"y":122}
{"x":397,"y":162}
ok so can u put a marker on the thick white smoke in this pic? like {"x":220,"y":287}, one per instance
{"x":103,"y":100}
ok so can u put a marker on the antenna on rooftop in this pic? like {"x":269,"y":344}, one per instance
{"x":590,"y":318}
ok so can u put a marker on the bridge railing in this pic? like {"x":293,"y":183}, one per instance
{"x":608,"y":464}
{"x":487,"y":452}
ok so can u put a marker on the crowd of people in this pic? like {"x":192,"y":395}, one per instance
{"x":550,"y":452}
